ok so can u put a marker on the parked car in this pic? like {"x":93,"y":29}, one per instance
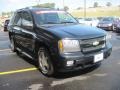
{"x":81,"y":20}
{"x":89,"y":21}
{"x":6,"y":24}
{"x":108,"y":23}
{"x":118,"y":26}
{"x":56,"y":40}
{"x":95,"y":22}
{"x":100,"y":18}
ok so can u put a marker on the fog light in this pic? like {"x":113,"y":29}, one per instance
{"x":70,"y":63}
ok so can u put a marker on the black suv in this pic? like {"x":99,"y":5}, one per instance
{"x":56,"y":40}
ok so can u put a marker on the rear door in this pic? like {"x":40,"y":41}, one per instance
{"x":16,"y":29}
{"x":28,"y":35}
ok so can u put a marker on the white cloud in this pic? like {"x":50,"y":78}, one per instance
{"x":13,"y":1}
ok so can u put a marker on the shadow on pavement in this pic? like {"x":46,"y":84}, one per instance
{"x":28,"y":60}
{"x":118,"y":34}
{"x":76,"y":73}
{"x":63,"y":75}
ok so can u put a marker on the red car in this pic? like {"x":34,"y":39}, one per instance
{"x":6,"y":24}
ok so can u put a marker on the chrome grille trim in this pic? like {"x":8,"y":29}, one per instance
{"x":87,"y":44}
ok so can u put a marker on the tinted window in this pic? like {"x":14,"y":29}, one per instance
{"x":53,"y":17}
{"x":17,"y":20}
{"x":26,"y":19}
{"x":107,"y":19}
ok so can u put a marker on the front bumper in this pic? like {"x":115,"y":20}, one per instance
{"x":106,"y":28}
{"x":81,"y":61}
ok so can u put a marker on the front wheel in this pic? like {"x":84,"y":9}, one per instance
{"x":44,"y":61}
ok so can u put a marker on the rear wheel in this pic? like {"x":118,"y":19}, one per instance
{"x":18,"y":52}
{"x":12,"y":44}
{"x":44,"y":61}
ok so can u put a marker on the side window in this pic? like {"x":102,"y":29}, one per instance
{"x":27,"y":22}
{"x":17,"y":20}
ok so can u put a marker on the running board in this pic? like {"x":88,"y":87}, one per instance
{"x":24,"y":53}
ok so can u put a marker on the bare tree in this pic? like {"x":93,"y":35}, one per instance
{"x":66,"y":8}
{"x":95,"y":4}
{"x":108,"y":4}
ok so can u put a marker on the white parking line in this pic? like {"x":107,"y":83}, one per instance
{"x":4,"y":36}
{"x":7,"y":54}
{"x":100,"y":74}
{"x":54,"y":83}
{"x":118,"y":63}
{"x":35,"y":87}
{"x":2,"y":50}
{"x":116,"y":48}
{"x":80,"y":78}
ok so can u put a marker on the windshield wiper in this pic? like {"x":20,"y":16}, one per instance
{"x":51,"y":23}
{"x":67,"y":22}
{"x":59,"y":23}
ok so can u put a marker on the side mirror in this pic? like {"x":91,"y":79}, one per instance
{"x":27,"y":24}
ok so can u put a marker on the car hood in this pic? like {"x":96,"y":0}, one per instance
{"x":75,"y":31}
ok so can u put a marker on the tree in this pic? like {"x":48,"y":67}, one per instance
{"x":3,"y":13}
{"x":79,"y":8}
{"x":95,"y":4}
{"x":46,"y":5}
{"x":119,"y":7}
{"x":66,"y":8}
{"x":108,"y":4}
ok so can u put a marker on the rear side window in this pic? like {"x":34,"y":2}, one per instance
{"x":26,"y":19}
{"x":17,"y":19}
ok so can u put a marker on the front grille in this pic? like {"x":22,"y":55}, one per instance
{"x":88,"y":46}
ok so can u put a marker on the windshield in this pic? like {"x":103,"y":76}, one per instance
{"x":53,"y":17}
{"x":107,"y":19}
{"x":88,"y":19}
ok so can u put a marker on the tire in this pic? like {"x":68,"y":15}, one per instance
{"x":44,"y":61}
{"x":12,"y":44}
{"x":18,"y":52}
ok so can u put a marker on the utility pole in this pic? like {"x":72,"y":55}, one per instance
{"x":38,"y":2}
{"x":84,"y":8}
{"x":63,"y":4}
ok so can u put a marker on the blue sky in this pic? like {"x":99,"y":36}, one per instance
{"x":11,"y":5}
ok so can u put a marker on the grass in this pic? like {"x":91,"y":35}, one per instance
{"x":97,"y":12}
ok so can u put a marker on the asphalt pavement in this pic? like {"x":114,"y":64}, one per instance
{"x":20,"y":72}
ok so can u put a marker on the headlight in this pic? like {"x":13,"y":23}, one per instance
{"x":98,"y":25}
{"x":110,"y":24}
{"x":68,"y":46}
